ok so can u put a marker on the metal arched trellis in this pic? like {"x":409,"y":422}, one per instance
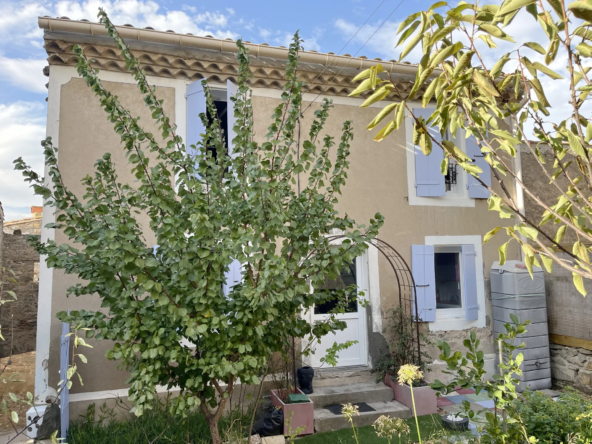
{"x":405,"y":283}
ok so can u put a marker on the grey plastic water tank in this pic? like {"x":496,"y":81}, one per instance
{"x":513,"y":278}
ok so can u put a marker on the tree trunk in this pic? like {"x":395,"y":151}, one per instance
{"x":213,"y":424}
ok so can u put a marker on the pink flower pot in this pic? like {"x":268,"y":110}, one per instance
{"x":426,"y":401}
{"x":299,"y":415}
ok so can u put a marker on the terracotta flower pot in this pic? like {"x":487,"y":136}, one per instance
{"x":298,"y":415}
{"x":426,"y":401}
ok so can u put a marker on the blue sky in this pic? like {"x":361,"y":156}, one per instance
{"x":325,"y":25}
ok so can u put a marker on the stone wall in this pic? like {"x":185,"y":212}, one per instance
{"x":572,"y":366}
{"x":19,"y":318}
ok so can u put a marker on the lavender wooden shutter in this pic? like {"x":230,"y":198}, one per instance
{"x":470,"y":282}
{"x":231,"y":91}
{"x":422,"y":265}
{"x":233,"y":276}
{"x":476,"y":190}
{"x":429,"y":181}
{"x":196,"y":104}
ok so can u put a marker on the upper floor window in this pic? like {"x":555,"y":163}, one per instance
{"x":426,"y":183}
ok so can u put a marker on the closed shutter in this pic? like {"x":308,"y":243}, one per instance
{"x":470,"y":282}
{"x":231,"y":91}
{"x":422,"y":264}
{"x":429,"y":181}
{"x":196,"y":104}
{"x":233,"y":276}
{"x":476,"y":190}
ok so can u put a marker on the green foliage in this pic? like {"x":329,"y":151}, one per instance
{"x":402,"y":346}
{"x":469,"y":371}
{"x":556,"y":421}
{"x":166,"y":314}
{"x":487,"y":100}
{"x":156,"y":426}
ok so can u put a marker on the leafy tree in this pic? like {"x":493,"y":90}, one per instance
{"x":487,"y":101}
{"x":205,"y":212}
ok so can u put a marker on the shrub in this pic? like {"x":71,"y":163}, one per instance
{"x":556,"y":421}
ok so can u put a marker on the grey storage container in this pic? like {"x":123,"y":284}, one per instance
{"x":514,"y":292}
{"x":531,"y":329}
{"x":513,"y":278}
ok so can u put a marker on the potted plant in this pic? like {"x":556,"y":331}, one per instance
{"x":298,"y":412}
{"x":403,"y":351}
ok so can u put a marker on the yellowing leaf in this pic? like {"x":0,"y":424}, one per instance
{"x":560,"y":233}
{"x":577,"y":279}
{"x":503,"y":252}
{"x":495,"y":32}
{"x":582,"y":10}
{"x":513,"y":5}
{"x":540,"y":93}
{"x":535,"y":47}
{"x":490,"y":234}
{"x":575,"y":145}
{"x":381,"y":115}
{"x":380,"y":94}
{"x":547,"y":262}
{"x":484,"y":83}
{"x":445,"y":53}
{"x":549,"y":72}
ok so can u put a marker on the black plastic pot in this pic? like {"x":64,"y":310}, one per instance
{"x":305,"y":376}
{"x":459,"y":424}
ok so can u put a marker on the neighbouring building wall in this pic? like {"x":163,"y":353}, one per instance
{"x":27,"y":225}
{"x":568,"y":312}
{"x":19,"y":318}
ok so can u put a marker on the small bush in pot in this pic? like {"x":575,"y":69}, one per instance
{"x":402,"y":346}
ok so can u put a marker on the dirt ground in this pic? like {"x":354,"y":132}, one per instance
{"x":23,"y":367}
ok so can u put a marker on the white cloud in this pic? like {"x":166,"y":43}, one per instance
{"x":22,"y":129}
{"x":26,"y":74}
{"x":382,"y":43}
{"x":264,"y":33}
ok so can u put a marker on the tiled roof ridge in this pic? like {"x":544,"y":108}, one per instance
{"x":149,"y":34}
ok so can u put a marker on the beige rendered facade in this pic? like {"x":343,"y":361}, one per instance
{"x":381,"y":178}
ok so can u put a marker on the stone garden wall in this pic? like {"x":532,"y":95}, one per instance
{"x":19,"y":318}
{"x":572,"y":366}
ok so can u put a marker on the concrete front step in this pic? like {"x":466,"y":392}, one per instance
{"x":351,"y":393}
{"x":328,"y":377}
{"x":326,"y":421}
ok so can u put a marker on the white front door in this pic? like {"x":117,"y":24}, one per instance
{"x":354,"y":317}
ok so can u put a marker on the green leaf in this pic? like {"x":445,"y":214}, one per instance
{"x":549,"y":72}
{"x":487,"y":39}
{"x":484,"y":83}
{"x":462,"y":63}
{"x":578,"y":281}
{"x":15,"y":417}
{"x":380,"y":94}
{"x":547,"y":262}
{"x":503,"y":252}
{"x":584,"y":49}
{"x":444,"y":166}
{"x":499,"y":65}
{"x":560,"y":233}
{"x":540,"y":93}
{"x":575,"y":145}
{"x":514,"y":5}
{"x":495,"y":32}
{"x":535,"y":47}
{"x":444,"y":54}
{"x":408,"y":32}
{"x":582,"y":10}
{"x":490,"y":234}
{"x":407,"y":21}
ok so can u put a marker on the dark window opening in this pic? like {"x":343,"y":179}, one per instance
{"x":450,"y":178}
{"x":221,"y":111}
{"x":343,"y":281}
{"x":448,"y":287}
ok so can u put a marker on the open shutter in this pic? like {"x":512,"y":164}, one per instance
{"x":476,"y":190}
{"x":231,"y":91}
{"x":422,"y":264}
{"x":470,"y":282}
{"x":233,"y":276}
{"x":429,"y":181}
{"x":196,"y":104}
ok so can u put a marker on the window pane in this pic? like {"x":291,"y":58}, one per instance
{"x":448,"y":289}
{"x":345,"y":279}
